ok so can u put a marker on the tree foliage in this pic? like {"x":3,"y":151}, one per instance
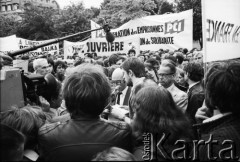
{"x":197,"y":16}
{"x":37,"y":24}
{"x":42,"y":23}
{"x":8,"y":25}
{"x":119,"y":12}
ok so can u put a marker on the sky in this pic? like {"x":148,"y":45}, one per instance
{"x":87,"y":3}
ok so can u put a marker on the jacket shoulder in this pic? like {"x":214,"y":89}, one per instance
{"x":119,"y":125}
{"x":48,"y":127}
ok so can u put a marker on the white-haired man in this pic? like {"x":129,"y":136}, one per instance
{"x":123,"y":91}
{"x":41,"y":66}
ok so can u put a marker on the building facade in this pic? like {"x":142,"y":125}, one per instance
{"x":17,"y":6}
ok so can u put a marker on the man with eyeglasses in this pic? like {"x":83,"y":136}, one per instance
{"x":166,"y":75}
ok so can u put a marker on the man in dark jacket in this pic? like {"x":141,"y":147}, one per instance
{"x":193,"y":75}
{"x":220,"y":134}
{"x":86,"y":93}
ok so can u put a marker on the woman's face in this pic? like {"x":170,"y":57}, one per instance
{"x":60,"y":69}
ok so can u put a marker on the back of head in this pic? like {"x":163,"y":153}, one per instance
{"x":114,"y":154}
{"x":86,"y":91}
{"x":12,"y":144}
{"x":179,"y":56}
{"x":155,"y":106}
{"x":135,"y":65}
{"x":27,"y":120}
{"x":194,"y":71}
{"x":113,"y":59}
{"x":170,"y":57}
{"x":223,"y":89}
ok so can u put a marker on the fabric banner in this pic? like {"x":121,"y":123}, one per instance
{"x":169,"y":31}
{"x":120,"y":45}
{"x":101,"y":46}
{"x":8,"y":44}
{"x":52,"y":49}
{"x":221,"y":29}
{"x":73,"y":47}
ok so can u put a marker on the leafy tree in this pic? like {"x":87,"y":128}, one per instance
{"x":73,"y":19}
{"x":118,"y":12}
{"x":184,"y":5}
{"x":37,"y":23}
{"x":8,"y":24}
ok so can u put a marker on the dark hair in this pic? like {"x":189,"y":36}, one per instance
{"x":11,"y":142}
{"x":113,"y":59}
{"x":151,"y":62}
{"x":179,"y":56}
{"x":185,"y":51}
{"x":223,"y":89}
{"x":169,"y":63}
{"x":131,"y":50}
{"x":195,"y":71}
{"x":87,"y":90}
{"x":27,"y":120}
{"x":157,"y":113}
{"x":88,"y":55}
{"x":114,"y":154}
{"x":135,"y":65}
{"x":50,"y":61}
{"x":170,"y":57}
{"x":144,"y":83}
{"x":57,"y":63}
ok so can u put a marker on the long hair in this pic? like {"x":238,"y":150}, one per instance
{"x":157,"y":113}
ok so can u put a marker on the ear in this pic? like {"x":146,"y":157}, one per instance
{"x":130,"y":73}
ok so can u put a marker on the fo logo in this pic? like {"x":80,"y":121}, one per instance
{"x":174,"y":27}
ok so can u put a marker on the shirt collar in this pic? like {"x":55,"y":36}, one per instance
{"x":215,"y":117}
{"x":191,"y":85}
{"x":171,"y":87}
{"x":30,"y":154}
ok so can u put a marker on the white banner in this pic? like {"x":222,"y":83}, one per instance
{"x":52,"y":49}
{"x":120,"y":45}
{"x":101,"y":46}
{"x":169,"y":31}
{"x":221,"y":29}
{"x":8,"y":44}
{"x":73,"y":47}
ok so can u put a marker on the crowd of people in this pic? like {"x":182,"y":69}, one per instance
{"x":153,"y":105}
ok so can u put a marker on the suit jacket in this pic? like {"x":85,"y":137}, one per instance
{"x":81,"y":138}
{"x":195,"y":100}
{"x":223,"y":129}
{"x":179,"y":97}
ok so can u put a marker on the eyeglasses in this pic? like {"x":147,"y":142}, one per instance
{"x":45,"y":67}
{"x":165,"y":75}
{"x":117,"y":82}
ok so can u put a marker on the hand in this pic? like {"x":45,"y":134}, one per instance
{"x":44,"y":104}
{"x":118,"y":112}
{"x":201,"y":113}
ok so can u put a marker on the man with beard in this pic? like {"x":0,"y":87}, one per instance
{"x":60,"y":69}
{"x":134,"y":73}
